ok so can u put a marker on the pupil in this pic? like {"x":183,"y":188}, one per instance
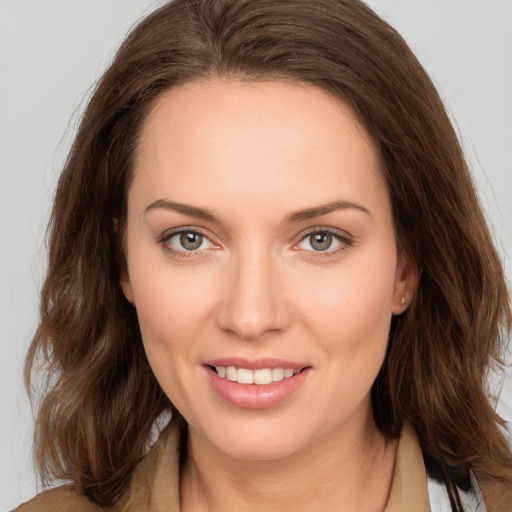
{"x":190,"y":241}
{"x":321,"y":241}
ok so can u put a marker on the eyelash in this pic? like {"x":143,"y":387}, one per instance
{"x":343,"y":238}
{"x":163,"y":241}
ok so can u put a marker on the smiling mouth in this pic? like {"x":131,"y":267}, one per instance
{"x":261,"y":376}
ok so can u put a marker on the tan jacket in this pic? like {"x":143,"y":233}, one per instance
{"x":155,"y":484}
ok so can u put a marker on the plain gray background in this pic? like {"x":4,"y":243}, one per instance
{"x":52,"y":51}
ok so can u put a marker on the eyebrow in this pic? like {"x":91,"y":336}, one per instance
{"x":317,"y":211}
{"x":191,"y":211}
{"x":298,"y":216}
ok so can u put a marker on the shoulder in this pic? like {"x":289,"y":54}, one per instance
{"x":156,"y":474}
{"x":60,"y":499}
{"x":474,"y":496}
{"x":497,"y":497}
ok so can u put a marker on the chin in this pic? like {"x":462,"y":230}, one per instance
{"x":260,"y":449}
{"x":258,"y":439}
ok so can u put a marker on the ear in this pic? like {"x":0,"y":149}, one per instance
{"x":126,"y":284}
{"x":407,"y":277}
{"x":124,"y":276}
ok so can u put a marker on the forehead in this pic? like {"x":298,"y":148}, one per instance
{"x":289,"y":142}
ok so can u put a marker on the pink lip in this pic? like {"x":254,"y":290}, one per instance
{"x":253,"y":396}
{"x":256,"y":364}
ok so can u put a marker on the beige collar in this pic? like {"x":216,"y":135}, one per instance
{"x":409,"y":486}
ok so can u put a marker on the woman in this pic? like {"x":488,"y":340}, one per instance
{"x":266,"y":226}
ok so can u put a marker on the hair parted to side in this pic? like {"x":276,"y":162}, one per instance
{"x":101,"y":397}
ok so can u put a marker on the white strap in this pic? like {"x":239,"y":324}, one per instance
{"x":472,"y":500}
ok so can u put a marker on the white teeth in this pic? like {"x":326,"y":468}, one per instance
{"x":261,"y":377}
{"x":231,"y":373}
{"x":244,"y":376}
{"x":277,"y":374}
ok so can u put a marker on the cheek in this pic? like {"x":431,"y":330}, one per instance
{"x":172,"y":306}
{"x":350,"y":324}
{"x":171,"y":299}
{"x":351,"y":300}
{"x":349,"y":314}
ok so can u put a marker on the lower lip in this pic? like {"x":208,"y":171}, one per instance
{"x":255,"y":396}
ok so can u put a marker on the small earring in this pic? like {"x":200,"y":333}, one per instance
{"x":402,"y":301}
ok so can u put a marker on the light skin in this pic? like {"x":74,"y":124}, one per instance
{"x":291,"y":253}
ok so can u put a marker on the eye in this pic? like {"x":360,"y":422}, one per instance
{"x":320,"y":241}
{"x":185,"y":242}
{"x":190,"y":241}
{"x":324,"y":241}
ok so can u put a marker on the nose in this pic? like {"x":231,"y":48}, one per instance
{"x":253,"y":302}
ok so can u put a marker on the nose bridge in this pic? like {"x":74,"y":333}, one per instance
{"x":252,"y":301}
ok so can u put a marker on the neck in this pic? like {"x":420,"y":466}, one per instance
{"x":354,"y":469}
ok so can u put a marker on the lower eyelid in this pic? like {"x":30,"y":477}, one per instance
{"x":311,"y":254}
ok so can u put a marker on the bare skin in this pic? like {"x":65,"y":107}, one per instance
{"x":357,"y":476}
{"x":260,"y":230}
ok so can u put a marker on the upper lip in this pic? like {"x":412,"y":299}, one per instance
{"x":256,"y":364}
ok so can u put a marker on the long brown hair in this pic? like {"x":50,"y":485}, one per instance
{"x":101,"y":398}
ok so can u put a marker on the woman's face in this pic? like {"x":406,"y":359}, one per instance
{"x":260,"y":241}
